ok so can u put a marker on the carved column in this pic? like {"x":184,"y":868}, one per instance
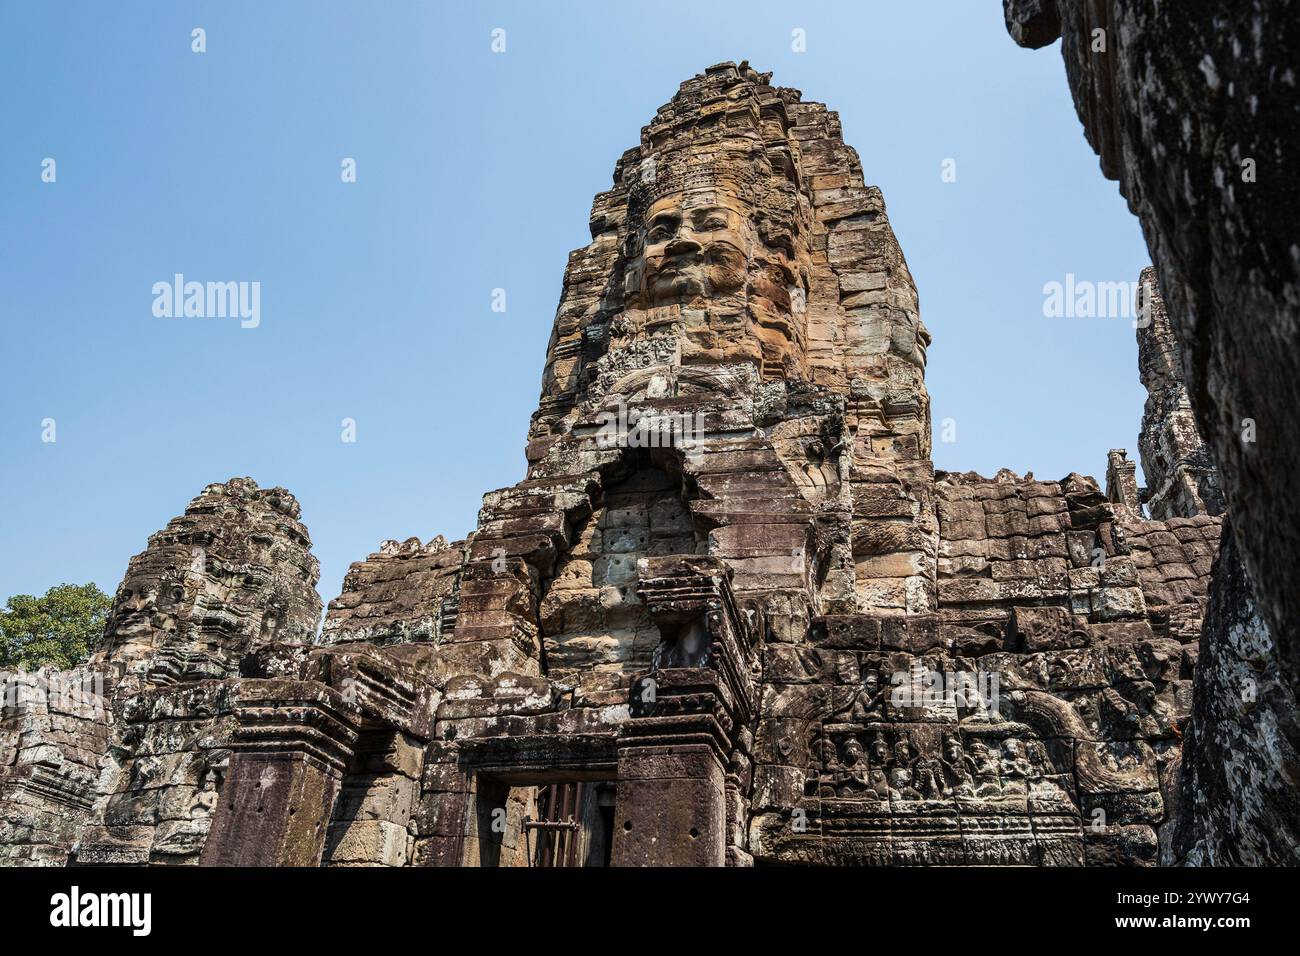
{"x":293,"y":743}
{"x":671,"y":805}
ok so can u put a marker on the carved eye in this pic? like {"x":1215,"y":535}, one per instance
{"x":662,"y":229}
{"x":715,"y":223}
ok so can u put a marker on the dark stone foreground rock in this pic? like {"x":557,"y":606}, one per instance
{"x":1193,"y":108}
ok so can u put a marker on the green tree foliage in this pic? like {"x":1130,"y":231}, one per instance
{"x":59,"y":629}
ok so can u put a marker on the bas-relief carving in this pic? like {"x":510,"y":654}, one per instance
{"x":901,"y":771}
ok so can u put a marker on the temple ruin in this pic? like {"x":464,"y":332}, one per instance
{"x":731,"y":615}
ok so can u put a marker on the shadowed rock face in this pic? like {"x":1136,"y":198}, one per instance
{"x":1193,"y":108}
{"x":235,"y":570}
{"x":1238,"y":805}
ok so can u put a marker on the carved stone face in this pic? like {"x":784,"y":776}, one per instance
{"x":708,"y":249}
{"x":880,"y":749}
{"x":175,"y":599}
{"x":235,"y":569}
{"x":696,"y":245}
{"x":156,"y":598}
{"x":852,"y":752}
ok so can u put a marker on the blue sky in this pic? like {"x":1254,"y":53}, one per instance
{"x":475,"y":171}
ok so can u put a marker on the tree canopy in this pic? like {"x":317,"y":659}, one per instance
{"x":60,"y":629}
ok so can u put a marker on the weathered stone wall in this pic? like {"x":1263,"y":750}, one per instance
{"x":161,"y":774}
{"x":1038,"y":585}
{"x":54,"y":728}
{"x":402,"y":593}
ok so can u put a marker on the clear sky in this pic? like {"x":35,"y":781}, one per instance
{"x":475,"y":171}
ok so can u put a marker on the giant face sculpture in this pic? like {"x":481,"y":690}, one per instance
{"x":156,"y":600}
{"x":171,"y":604}
{"x":187,"y":613}
{"x":233,"y":571}
{"x":722,"y":241}
{"x":696,"y":245}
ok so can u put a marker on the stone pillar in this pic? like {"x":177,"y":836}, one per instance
{"x":441,"y":813}
{"x":293,"y":743}
{"x":1182,"y":481}
{"x":370,"y":825}
{"x":671,"y":808}
{"x":671,"y":804}
{"x":671,"y":799}
{"x":1121,"y":480}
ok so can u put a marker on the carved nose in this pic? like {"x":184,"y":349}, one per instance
{"x":682,"y":246}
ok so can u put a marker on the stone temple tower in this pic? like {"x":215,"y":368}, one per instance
{"x":1181,"y":477}
{"x":745,"y":321}
{"x":729,"y":616}
{"x":740,"y":269}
